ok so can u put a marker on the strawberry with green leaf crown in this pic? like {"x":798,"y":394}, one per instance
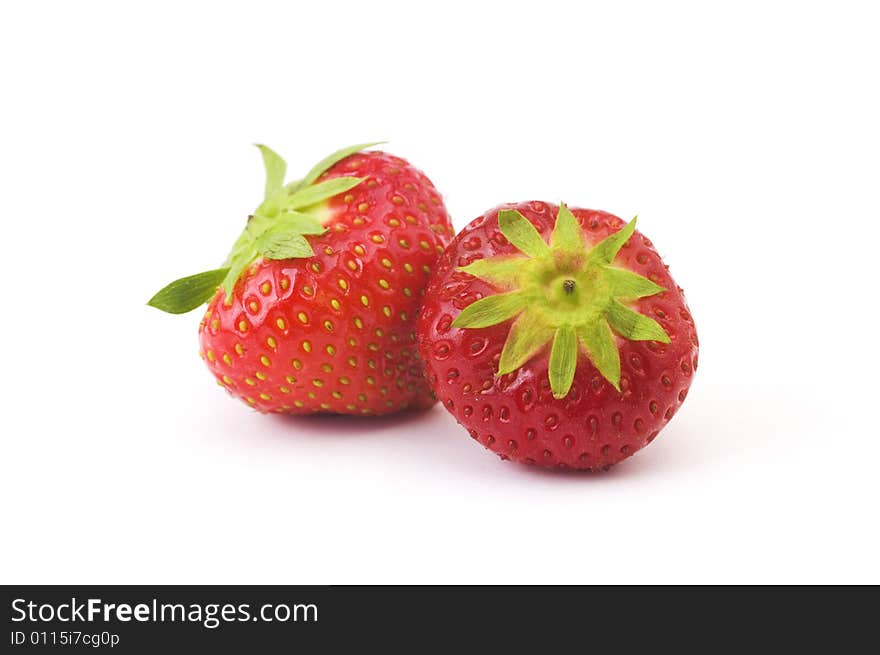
{"x":314,"y":309}
{"x":557,"y":337}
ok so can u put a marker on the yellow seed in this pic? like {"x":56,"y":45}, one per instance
{"x":386,"y":310}
{"x":281,"y":323}
{"x":307,"y":346}
{"x":384,"y":283}
{"x":265,"y":288}
{"x":250,"y":382}
{"x":371,"y":363}
{"x":327,"y":368}
{"x":365,"y":301}
{"x":260,"y":375}
{"x":426,"y":268}
{"x":362,"y":397}
{"x":350,"y":407}
{"x":290,"y":379}
{"x":271,"y":342}
{"x":303,"y":317}
{"x":328,"y":250}
{"x":254,"y":306}
{"x":242,"y":325}
{"x":359,"y":323}
{"x":359,"y":249}
{"x":211,"y":356}
{"x":318,"y":382}
{"x":377,"y":238}
{"x":215,"y":324}
{"x":299,"y":403}
{"x":379,"y":333}
{"x":328,"y":326}
{"x":265,"y":396}
{"x":250,"y":401}
{"x":335,"y":304}
{"x":283,"y":389}
{"x":371,"y":380}
{"x":316,"y":267}
{"x":226,"y":379}
{"x":352,"y":362}
{"x":384,"y":391}
{"x":352,"y":264}
{"x":265,"y":361}
{"x":412,"y":220}
{"x":284,"y":283}
{"x":342,"y":284}
{"x":408,"y":267}
{"x":336,"y":395}
{"x":397,"y":200}
{"x":373,"y":346}
{"x":330,"y":350}
{"x":239,"y":349}
{"x":297,"y":364}
{"x":394,"y":222}
{"x":358,"y":220}
{"x":348,"y":197}
{"x":407,"y":292}
{"x":404,"y":316}
{"x":403,"y":243}
{"x":386,"y":262}
{"x":325,"y":406}
{"x":362,"y":207}
{"x":344,"y":380}
{"x":308,"y":291}
{"x":424,"y":245}
{"x":227,"y":359}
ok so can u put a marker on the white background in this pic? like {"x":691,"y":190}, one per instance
{"x":746,"y":138}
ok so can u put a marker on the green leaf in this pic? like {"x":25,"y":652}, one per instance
{"x":628,"y":285}
{"x":522,"y":234}
{"x":240,"y":261}
{"x":606,"y":250}
{"x":311,"y":195}
{"x":276,"y":169}
{"x":501,"y":271}
{"x":526,"y":338}
{"x":297,"y":222}
{"x":600,"y":344}
{"x":563,"y":361}
{"x":187,"y":293}
{"x":568,"y":237}
{"x":283,"y":245}
{"x":328,"y":161}
{"x":490,"y":310}
{"x":635,"y":326}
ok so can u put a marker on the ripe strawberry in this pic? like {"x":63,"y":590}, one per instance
{"x":557,"y":337}
{"x":318,"y":299}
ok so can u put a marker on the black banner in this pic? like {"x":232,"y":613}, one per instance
{"x":147,"y":619}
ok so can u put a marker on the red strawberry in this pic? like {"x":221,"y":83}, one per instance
{"x":318,"y":299}
{"x":557,"y":337}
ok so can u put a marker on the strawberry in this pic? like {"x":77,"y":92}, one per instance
{"x":317,"y":301}
{"x":557,"y":337}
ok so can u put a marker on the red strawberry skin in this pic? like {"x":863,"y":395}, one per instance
{"x":336,"y":332}
{"x":515,"y":415}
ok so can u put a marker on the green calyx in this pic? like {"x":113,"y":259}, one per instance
{"x":277,"y":229}
{"x":565,"y":292}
